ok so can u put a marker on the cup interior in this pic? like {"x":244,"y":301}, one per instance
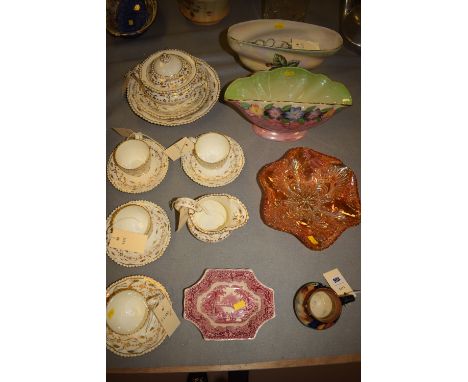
{"x":324,"y":305}
{"x":212,"y":217}
{"x":132,"y":154}
{"x":126,"y":311}
{"x":212,"y":147}
{"x":133,"y":218}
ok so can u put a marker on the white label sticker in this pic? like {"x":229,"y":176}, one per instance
{"x":166,"y":316}
{"x":338,"y":283}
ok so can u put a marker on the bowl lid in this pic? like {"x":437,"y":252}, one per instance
{"x":167,"y":70}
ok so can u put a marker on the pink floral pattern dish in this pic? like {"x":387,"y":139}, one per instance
{"x":229,"y":304}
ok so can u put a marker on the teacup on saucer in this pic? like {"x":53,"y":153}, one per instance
{"x":134,"y":183}
{"x":159,"y":233}
{"x":218,"y":176}
{"x":126,"y":311}
{"x":133,"y":218}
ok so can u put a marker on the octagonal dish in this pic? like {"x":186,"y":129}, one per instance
{"x":229,"y":304}
{"x":271,"y":43}
{"x":283,"y":103}
{"x":310,"y":195}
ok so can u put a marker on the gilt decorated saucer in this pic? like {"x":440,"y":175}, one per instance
{"x":137,"y":184}
{"x":229,"y":171}
{"x":151,"y":334}
{"x":158,"y":238}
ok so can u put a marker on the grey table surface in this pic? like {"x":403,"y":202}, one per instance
{"x":278,"y":259}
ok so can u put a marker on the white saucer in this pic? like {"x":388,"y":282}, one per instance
{"x":143,"y":183}
{"x":215,"y":177}
{"x":157,"y":243}
{"x":151,"y":334}
{"x":175,"y":115}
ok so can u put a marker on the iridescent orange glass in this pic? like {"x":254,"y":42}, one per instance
{"x":310,"y":195}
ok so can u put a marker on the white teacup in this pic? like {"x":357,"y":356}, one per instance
{"x":133,"y":156}
{"x":212,"y":150}
{"x":211,"y":217}
{"x":132,"y":218}
{"x":126,"y":311}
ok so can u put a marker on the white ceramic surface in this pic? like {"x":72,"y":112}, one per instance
{"x":171,"y":88}
{"x":133,"y":218}
{"x":212,"y":148}
{"x":132,"y":154}
{"x":212,"y":217}
{"x":267,"y":43}
{"x":320,"y":304}
{"x":126,"y":312}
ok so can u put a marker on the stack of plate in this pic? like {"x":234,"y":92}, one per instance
{"x":172,"y":88}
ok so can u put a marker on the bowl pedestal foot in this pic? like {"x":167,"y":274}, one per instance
{"x":277,"y":136}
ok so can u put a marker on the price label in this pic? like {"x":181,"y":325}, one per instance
{"x":123,"y":132}
{"x":180,"y":148}
{"x":338,"y":283}
{"x":166,"y":316}
{"x":304,"y":44}
{"x":128,"y":241}
{"x":239,"y":305}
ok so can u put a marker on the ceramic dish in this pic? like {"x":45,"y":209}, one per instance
{"x":236,"y":216}
{"x":265,"y":44}
{"x":125,"y":19}
{"x":310,"y":195}
{"x":282,"y":104}
{"x":171,"y":88}
{"x":158,"y":238}
{"x":300,"y":309}
{"x":146,"y":182}
{"x":215,"y":177}
{"x":229,"y":304}
{"x":151,"y":334}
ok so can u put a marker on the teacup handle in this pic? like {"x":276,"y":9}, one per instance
{"x":191,"y":204}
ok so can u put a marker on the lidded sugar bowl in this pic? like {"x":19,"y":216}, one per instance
{"x":171,"y":87}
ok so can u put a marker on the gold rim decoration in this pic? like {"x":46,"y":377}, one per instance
{"x":151,"y":334}
{"x":215,"y":177}
{"x":124,"y":182}
{"x":144,"y":108}
{"x":157,"y":243}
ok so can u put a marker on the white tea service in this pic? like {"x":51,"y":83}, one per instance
{"x":126,"y":312}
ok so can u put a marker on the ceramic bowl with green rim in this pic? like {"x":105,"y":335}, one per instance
{"x":282,"y":104}
{"x":271,"y":43}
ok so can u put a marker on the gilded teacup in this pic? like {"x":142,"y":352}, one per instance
{"x":133,"y":157}
{"x":132,"y":218}
{"x":212,"y":150}
{"x":126,"y":311}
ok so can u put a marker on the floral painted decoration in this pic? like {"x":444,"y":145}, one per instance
{"x":280,"y":61}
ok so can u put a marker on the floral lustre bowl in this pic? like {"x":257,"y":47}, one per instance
{"x":310,"y":195}
{"x":264,"y":44}
{"x":283,"y":103}
{"x":129,"y":18}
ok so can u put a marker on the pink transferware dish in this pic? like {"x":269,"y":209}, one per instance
{"x":229,"y":304}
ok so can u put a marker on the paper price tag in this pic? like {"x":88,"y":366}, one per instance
{"x":180,"y":148}
{"x":304,"y":44}
{"x":123,"y":132}
{"x":338,"y":283}
{"x":166,"y":316}
{"x":128,"y":241}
